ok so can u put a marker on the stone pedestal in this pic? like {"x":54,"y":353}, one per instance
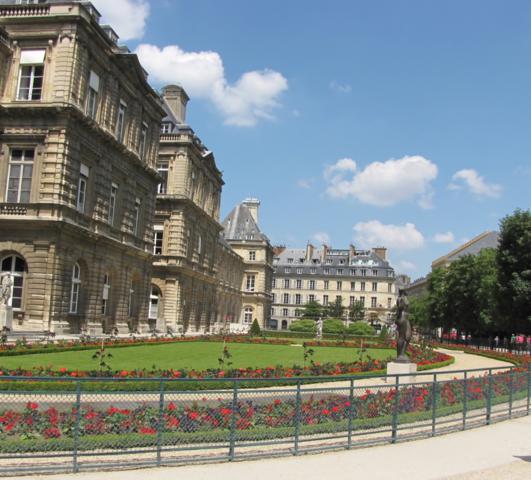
{"x":6,"y":317}
{"x":397,"y":368}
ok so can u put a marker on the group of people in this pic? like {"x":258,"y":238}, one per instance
{"x":518,"y":342}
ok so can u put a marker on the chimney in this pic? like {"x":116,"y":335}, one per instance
{"x":381,"y":252}
{"x":352,"y":251}
{"x":325,"y":252}
{"x":309,"y":252}
{"x":253,"y":204}
{"x":177,"y":99}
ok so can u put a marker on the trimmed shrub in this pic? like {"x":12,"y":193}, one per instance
{"x":303,"y":326}
{"x":360,"y":328}
{"x":333,"y":325}
{"x":255,"y":329}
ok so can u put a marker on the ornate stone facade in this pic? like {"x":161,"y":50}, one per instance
{"x":79,"y":133}
{"x":197,"y":277}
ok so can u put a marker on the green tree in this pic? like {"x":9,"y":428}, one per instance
{"x":513,"y":261}
{"x":255,"y":329}
{"x":437,"y":298}
{"x":360,"y":328}
{"x":333,"y":325}
{"x":305,"y":325}
{"x":419,"y":314}
{"x":312,"y":309}
{"x":336,"y":309}
{"x":356,"y":312}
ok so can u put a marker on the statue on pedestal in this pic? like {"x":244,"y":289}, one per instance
{"x":319,"y":329}
{"x":6,"y":289}
{"x":403,"y":327}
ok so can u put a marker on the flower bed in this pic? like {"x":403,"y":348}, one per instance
{"x":36,"y":427}
{"x":494,"y":354}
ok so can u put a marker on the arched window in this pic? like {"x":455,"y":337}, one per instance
{"x":248,"y":315}
{"x":16,"y":267}
{"x":154,"y":302}
{"x":75,"y":289}
{"x":284,"y":324}
{"x":106,"y":294}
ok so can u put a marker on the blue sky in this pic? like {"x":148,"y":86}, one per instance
{"x":397,"y":122}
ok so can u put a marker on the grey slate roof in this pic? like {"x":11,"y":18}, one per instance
{"x":240,"y":225}
{"x":170,"y":117}
{"x":486,"y":240}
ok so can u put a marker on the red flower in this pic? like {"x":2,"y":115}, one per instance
{"x":325,"y":411}
{"x":193,"y":415}
{"x":148,"y":431}
{"x":124,"y":373}
{"x":32,"y":406}
{"x":277,"y":401}
{"x":171,"y":406}
{"x":225,"y":411}
{"x":52,"y":432}
{"x":63,"y":370}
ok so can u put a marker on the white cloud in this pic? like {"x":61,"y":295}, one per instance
{"x":127,"y":17}
{"x":447,"y":237}
{"x":305,"y":183}
{"x":475,"y":183}
{"x":395,"y":237}
{"x":322,"y":237}
{"x":340,"y":87}
{"x":252,"y":97}
{"x":383,"y":183}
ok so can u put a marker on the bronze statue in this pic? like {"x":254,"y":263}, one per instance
{"x":403,"y":327}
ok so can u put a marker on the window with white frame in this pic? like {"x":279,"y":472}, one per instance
{"x":154,"y":302}
{"x":352,"y":301}
{"x":14,"y":266}
{"x":92,"y":94}
{"x":158,"y":242}
{"x":340,"y":271}
{"x":362,"y":301}
{"x":290,"y":260}
{"x":362,"y":286}
{"x":162,"y":169}
{"x":352,"y":272}
{"x":353,"y":286}
{"x":374,"y":286}
{"x":82,"y":188}
{"x":106,"y":294}
{"x":131,"y":298}
{"x":20,"y":175}
{"x":339,"y":285}
{"x":285,"y":312}
{"x":298,"y":299}
{"x":389,"y":300}
{"x":75,"y":289}
{"x":287,"y":270}
{"x":311,"y":284}
{"x":313,"y":270}
{"x":143,"y":140}
{"x":31,"y":75}
{"x":252,"y":256}
{"x":389,"y":288}
{"x":250,"y":283}
{"x":311,"y":298}
{"x":363,"y":272}
{"x":298,"y":284}
{"x":274,"y":283}
{"x":136,"y":215}
{"x":373,"y":302}
{"x":326,"y":285}
{"x":326,"y":271}
{"x":166,"y":127}
{"x":325,"y":300}
{"x":286,"y":283}
{"x":299,"y":271}
{"x":375,"y":273}
{"x":248,"y":315}
{"x":112,"y":202}
{"x":286,"y":298}
{"x":120,"y":121}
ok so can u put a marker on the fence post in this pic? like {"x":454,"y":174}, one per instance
{"x":465,"y":398}
{"x":76,"y":428}
{"x":394,"y":428}
{"x":350,"y":413}
{"x":160,"y":423}
{"x":297,"y":417}
{"x":489,"y":397}
{"x":434,"y":405}
{"x":232,"y":439}
{"x":511,"y":376}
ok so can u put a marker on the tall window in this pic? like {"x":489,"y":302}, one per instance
{"x":299,"y":271}
{"x":325,"y":300}
{"x":120,"y":121}
{"x":362,"y":286}
{"x":16,"y":266}
{"x":274,"y":283}
{"x":136,"y":215}
{"x":326,"y":285}
{"x":248,"y":315}
{"x":285,"y":313}
{"x":375,"y":273}
{"x":352,"y":300}
{"x":339,"y":285}
{"x":286,"y":298}
{"x":92,"y":94}
{"x":158,"y":241}
{"x":353,"y":286}
{"x":131,"y":299}
{"x":373,"y":302}
{"x":311,"y":298}
{"x":298,"y":299}
{"x":374,"y":286}
{"x":362,"y":301}
{"x":112,"y":202}
{"x":389,"y":288}
{"x":311,"y":284}
{"x":75,"y":289}
{"x":154,"y":300}
{"x":250,"y":283}
{"x":106,"y":294}
{"x":162,"y":168}
{"x":20,"y":173}
{"x":82,"y":188}
{"x":143,"y":140}
{"x":363,"y":272}
{"x":252,"y":256}
{"x":31,"y":75}
{"x":298,"y":284}
{"x":286,"y":283}
{"x":389,"y":300}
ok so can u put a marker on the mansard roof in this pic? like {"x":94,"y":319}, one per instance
{"x":240,"y":225}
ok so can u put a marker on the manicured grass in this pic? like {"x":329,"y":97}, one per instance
{"x":196,"y":355}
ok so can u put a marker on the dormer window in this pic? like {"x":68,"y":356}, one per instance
{"x":166,"y":127}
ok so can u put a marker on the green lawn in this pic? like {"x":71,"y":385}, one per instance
{"x":197,"y":355}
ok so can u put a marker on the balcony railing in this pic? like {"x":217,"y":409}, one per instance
{"x":24,"y":10}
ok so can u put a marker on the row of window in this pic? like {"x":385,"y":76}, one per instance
{"x":298,"y":299}
{"x":17,"y":268}
{"x":311,"y":285}
{"x":30,"y":87}
{"x":339,"y":271}
{"x":19,"y":178}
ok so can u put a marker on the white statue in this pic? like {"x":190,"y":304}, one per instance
{"x":320,"y":328}
{"x":6,"y":289}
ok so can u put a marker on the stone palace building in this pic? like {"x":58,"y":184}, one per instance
{"x":109,"y":202}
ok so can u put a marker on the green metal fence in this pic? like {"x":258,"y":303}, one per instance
{"x":51,"y":425}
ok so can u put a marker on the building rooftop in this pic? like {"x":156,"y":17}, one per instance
{"x":488,"y":239}
{"x":240,"y":225}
